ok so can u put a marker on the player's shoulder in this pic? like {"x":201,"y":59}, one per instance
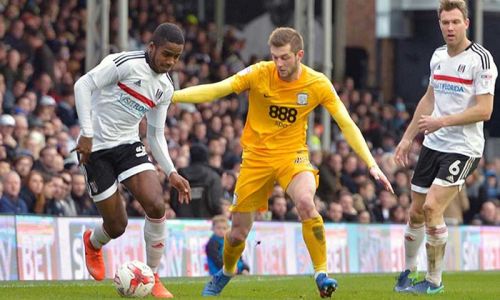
{"x":480,"y":56}
{"x":316,"y":76}
{"x":127,"y":57}
{"x":263,"y":66}
{"x":440,"y":51}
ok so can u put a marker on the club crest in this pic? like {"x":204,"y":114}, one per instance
{"x":302,"y":98}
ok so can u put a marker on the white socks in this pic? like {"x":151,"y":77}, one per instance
{"x":436,"y":242}
{"x":414,"y":236}
{"x":154,"y":234}
{"x":99,"y":237}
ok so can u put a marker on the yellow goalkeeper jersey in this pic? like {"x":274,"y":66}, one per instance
{"x":278,"y":110}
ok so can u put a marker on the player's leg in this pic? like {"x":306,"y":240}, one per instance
{"x":234,"y":240}
{"x":301,"y":189}
{"x":140,"y":177}
{"x":103,"y":187}
{"x":252,"y":190}
{"x":453,"y":170}
{"x":425,"y":172}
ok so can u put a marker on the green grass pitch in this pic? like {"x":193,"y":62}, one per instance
{"x":463,"y":285}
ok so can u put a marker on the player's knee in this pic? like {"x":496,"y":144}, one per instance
{"x":155,"y":209}
{"x":305,"y":207}
{"x":417,"y":215}
{"x":430,"y":209}
{"x":116,"y":228}
{"x":238,"y":236}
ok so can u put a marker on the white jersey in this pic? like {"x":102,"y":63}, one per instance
{"x":456,"y":81}
{"x":127,"y":89}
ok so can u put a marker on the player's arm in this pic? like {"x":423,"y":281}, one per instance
{"x":102,"y":75}
{"x":351,"y":132}
{"x":356,"y":140}
{"x":204,"y":92}
{"x":158,"y":144}
{"x":481,"y":111}
{"x":425,"y":107}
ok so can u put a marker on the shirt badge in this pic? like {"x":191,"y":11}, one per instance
{"x":302,"y":98}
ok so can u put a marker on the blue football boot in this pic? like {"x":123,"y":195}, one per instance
{"x":216,"y":284}
{"x":425,"y":288}
{"x":405,"y":280}
{"x":326,"y":285}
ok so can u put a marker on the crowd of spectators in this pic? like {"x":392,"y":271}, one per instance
{"x":42,"y":52}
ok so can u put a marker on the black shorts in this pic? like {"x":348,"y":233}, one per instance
{"x":444,"y":169}
{"x":107,"y":167}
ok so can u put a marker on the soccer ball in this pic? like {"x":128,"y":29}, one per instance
{"x":134,"y":279}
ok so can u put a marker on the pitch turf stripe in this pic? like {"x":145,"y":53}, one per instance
{"x":453,"y":79}
{"x":136,"y":95}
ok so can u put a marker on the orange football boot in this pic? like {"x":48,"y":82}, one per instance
{"x":159,"y":290}
{"x":93,"y":258}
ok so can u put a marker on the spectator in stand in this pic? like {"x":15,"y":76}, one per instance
{"x":23,"y":164}
{"x":7,"y":125}
{"x":32,"y":192}
{"x":228,"y":181}
{"x":487,"y":215}
{"x":84,"y":204}
{"x":329,"y":176}
{"x":349,"y":213}
{"x":364,"y":217}
{"x":398,"y":215}
{"x":11,"y":202}
{"x":382,"y":211}
{"x":334,"y":213}
{"x":206,"y":187}
{"x":59,"y":205}
{"x":278,"y":208}
{"x":47,"y":163}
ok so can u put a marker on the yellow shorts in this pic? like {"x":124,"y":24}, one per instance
{"x":258,"y":174}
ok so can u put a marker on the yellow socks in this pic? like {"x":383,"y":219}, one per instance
{"x":231,"y":256}
{"x":313,"y":232}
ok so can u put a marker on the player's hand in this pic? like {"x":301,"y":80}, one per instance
{"x":401,"y":153}
{"x":380,"y":177}
{"x":83,"y":148}
{"x":182,"y":186}
{"x":428,"y":124}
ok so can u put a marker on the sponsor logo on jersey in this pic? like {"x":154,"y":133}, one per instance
{"x":136,"y":108}
{"x":461,"y":68}
{"x":449,"y":88}
{"x":138,"y":83}
{"x":302,"y":98}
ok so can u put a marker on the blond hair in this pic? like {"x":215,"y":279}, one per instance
{"x":283,"y":36}
{"x":219,"y":219}
{"x":448,"y":5}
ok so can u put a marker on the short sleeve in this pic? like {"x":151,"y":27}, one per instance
{"x":485,"y":76}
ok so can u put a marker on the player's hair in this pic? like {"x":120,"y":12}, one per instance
{"x":448,"y":5}
{"x":219,"y":219}
{"x":167,"y":32}
{"x":283,"y":36}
